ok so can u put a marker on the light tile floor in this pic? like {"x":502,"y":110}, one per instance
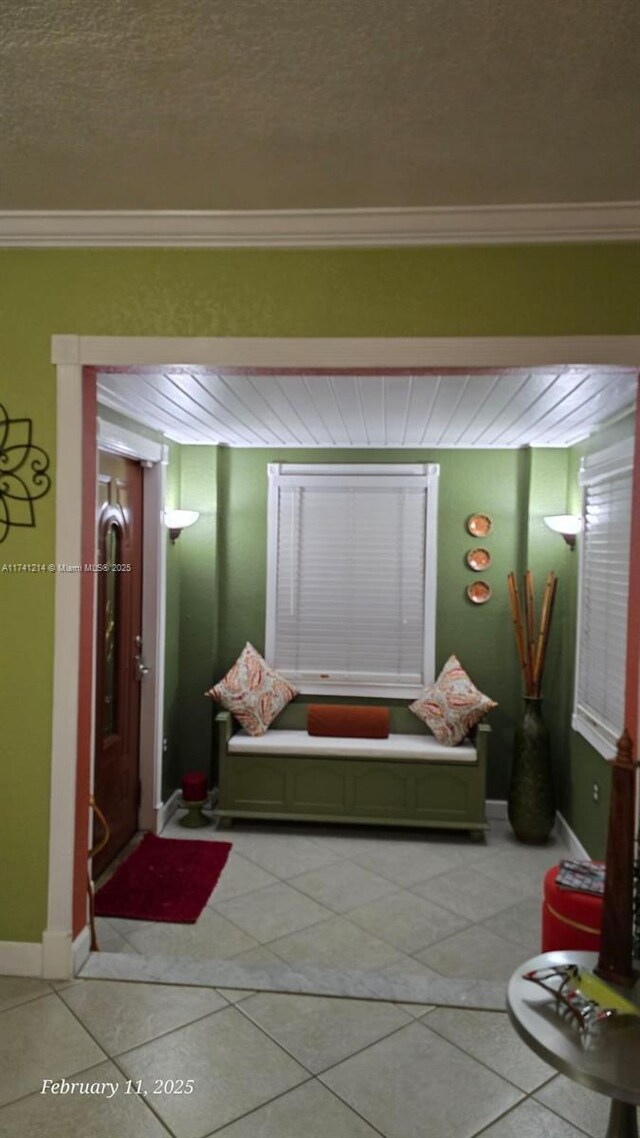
{"x":363,"y":899}
{"x":241,"y":1064}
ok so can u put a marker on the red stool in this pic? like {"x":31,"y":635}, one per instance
{"x":569,"y":919}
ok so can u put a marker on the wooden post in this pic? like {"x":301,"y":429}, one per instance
{"x":615,"y":963}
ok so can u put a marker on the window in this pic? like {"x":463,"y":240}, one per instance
{"x":351,"y":577}
{"x":603,"y":596}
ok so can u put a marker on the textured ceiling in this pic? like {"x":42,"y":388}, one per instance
{"x":249,"y":104}
{"x":536,"y":407}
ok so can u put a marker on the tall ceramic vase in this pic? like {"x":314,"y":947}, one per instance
{"x":531,"y":797}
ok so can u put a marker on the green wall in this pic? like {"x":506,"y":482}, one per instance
{"x":514,"y":487}
{"x":504,"y":290}
{"x":198,"y":610}
{"x":546,"y":477}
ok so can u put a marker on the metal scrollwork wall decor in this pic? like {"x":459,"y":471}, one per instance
{"x":23,"y":473}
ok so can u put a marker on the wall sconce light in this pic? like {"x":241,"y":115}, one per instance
{"x":566,"y":524}
{"x":177,"y":520}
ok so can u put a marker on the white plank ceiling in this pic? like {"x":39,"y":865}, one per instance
{"x":536,"y":407}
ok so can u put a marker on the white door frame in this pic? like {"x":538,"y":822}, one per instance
{"x":70,"y":354}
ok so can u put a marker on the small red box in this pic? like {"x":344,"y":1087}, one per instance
{"x":194,"y":787}
{"x":569,"y":919}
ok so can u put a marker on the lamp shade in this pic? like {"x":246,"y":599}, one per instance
{"x":564,"y":523}
{"x":180,"y":519}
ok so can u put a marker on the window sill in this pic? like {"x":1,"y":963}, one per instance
{"x":355,"y":691}
{"x":600,"y":738}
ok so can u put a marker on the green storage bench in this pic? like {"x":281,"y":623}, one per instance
{"x":408,"y":779}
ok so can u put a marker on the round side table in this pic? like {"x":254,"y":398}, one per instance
{"x":606,"y":1059}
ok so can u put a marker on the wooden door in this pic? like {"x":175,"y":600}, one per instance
{"x":118,"y":648}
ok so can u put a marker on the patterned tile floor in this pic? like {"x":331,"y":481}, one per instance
{"x":161,"y":1059}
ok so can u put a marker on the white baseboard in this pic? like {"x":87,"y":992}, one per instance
{"x":55,"y":959}
{"x":576,"y":848}
{"x":20,"y":958}
{"x":57,"y":955}
{"x":80,"y":949}
{"x":496,"y":808}
{"x":165,"y":812}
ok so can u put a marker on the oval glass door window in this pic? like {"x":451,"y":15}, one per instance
{"x":478,"y":559}
{"x":479,"y":525}
{"x":479,"y":592}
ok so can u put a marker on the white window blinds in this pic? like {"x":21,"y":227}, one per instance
{"x":603,"y":596}
{"x":352,"y":576}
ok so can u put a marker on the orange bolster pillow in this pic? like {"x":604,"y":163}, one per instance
{"x":352,"y":722}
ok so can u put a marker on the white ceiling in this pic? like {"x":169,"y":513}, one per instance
{"x":536,"y":407}
{"x":295,"y":104}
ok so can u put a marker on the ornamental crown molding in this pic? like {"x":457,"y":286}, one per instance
{"x":322,"y":228}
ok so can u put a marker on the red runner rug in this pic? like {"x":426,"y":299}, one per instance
{"x":164,"y":879}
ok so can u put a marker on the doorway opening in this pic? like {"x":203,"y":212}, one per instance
{"x":303,"y":354}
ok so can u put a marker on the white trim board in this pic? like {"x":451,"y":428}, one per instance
{"x":57,"y":958}
{"x":80,"y":949}
{"x":20,"y":958}
{"x":323,"y":228}
{"x":575,"y":846}
{"x":497,"y":810}
{"x":166,"y":810}
{"x":57,"y":954}
{"x":121,"y":440}
{"x":346,"y":352}
{"x":66,"y":652}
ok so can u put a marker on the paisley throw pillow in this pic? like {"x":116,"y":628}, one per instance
{"x":453,"y":705}
{"x":252,"y":691}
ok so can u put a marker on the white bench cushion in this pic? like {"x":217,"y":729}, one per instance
{"x":416,"y":747}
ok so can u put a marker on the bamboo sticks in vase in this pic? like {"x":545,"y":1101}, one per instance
{"x":532,"y":648}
